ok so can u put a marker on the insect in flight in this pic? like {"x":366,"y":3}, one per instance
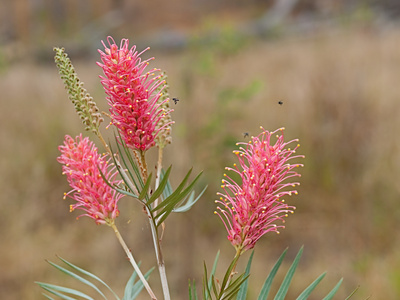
{"x":280,"y":102}
{"x":175,"y":100}
{"x":245,"y":134}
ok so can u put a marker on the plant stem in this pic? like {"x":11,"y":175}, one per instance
{"x":132,"y":261}
{"x":156,"y":239}
{"x":100,"y":136}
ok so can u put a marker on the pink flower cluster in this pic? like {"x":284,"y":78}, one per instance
{"x":83,"y":166}
{"x":133,"y":94}
{"x":252,"y":208}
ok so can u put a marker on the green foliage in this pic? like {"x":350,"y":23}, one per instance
{"x":179,"y":200}
{"x":187,"y":202}
{"x":167,"y":205}
{"x":284,"y":287}
{"x":239,"y":286}
{"x":213,"y":289}
{"x":132,"y":288}
{"x":243,"y":288}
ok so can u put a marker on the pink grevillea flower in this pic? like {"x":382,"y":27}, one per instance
{"x":82,"y":165}
{"x":133,"y":94}
{"x":253,"y":207}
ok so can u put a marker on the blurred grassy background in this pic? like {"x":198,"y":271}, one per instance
{"x":336,"y":68}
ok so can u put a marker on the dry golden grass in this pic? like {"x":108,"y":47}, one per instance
{"x":341,"y":98}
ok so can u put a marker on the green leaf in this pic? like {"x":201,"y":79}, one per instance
{"x":47,"y":296}
{"x":192,"y":291}
{"x":77,"y":277}
{"x":122,"y":173}
{"x":206,"y":284}
{"x":175,"y":193}
{"x":126,"y":193}
{"x":214,"y":286}
{"x":58,"y":290}
{"x":233,"y":288}
{"x":333,"y":291}
{"x":213,"y":270}
{"x":89,"y":274}
{"x":137,"y":179}
{"x":190,"y":202}
{"x":268,"y":282}
{"x":115,"y":187}
{"x":173,"y":200}
{"x":353,"y":292}
{"x":168,"y":188}
{"x":128,"y":294}
{"x":280,"y":295}
{"x":160,"y":188}
{"x":229,"y":272}
{"x":304,"y":295}
{"x":145,"y":190}
{"x":132,"y":289}
{"x":243,"y":288}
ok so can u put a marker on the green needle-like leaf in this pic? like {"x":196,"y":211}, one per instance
{"x":353,"y":292}
{"x":280,"y":295}
{"x":268,"y":282}
{"x":145,"y":190}
{"x":122,"y":173}
{"x":157,"y":193}
{"x":333,"y":291}
{"x":175,"y":193}
{"x":192,"y":291}
{"x":116,"y":187}
{"x":228,"y":273}
{"x":47,"y":296}
{"x":126,"y":193}
{"x":90,"y":275}
{"x":129,"y":286}
{"x":170,"y":203}
{"x":233,"y":287}
{"x":168,"y":188}
{"x":137,"y":179}
{"x":243,"y":288}
{"x":206,"y":284}
{"x":132,"y":289}
{"x":304,"y":295}
{"x":190,"y":202}
{"x":214,"y":286}
{"x":77,"y":277}
{"x":213,"y":270}
{"x":58,"y":290}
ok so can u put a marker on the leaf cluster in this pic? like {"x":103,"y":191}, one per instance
{"x":132,"y":288}
{"x":179,"y":200}
{"x":239,"y":286}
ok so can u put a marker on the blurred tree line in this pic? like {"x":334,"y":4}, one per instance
{"x":27,"y":24}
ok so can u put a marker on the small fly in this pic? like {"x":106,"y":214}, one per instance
{"x":245,"y":134}
{"x":175,"y":100}
{"x":280,"y":102}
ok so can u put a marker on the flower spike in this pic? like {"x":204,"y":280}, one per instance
{"x":163,"y":127}
{"x":83,"y":102}
{"x":132,"y":93}
{"x":252,"y":208}
{"x":84,"y":168}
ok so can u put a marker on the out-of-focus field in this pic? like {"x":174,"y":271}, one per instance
{"x":340,"y":91}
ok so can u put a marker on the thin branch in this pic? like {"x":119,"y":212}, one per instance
{"x":132,"y":261}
